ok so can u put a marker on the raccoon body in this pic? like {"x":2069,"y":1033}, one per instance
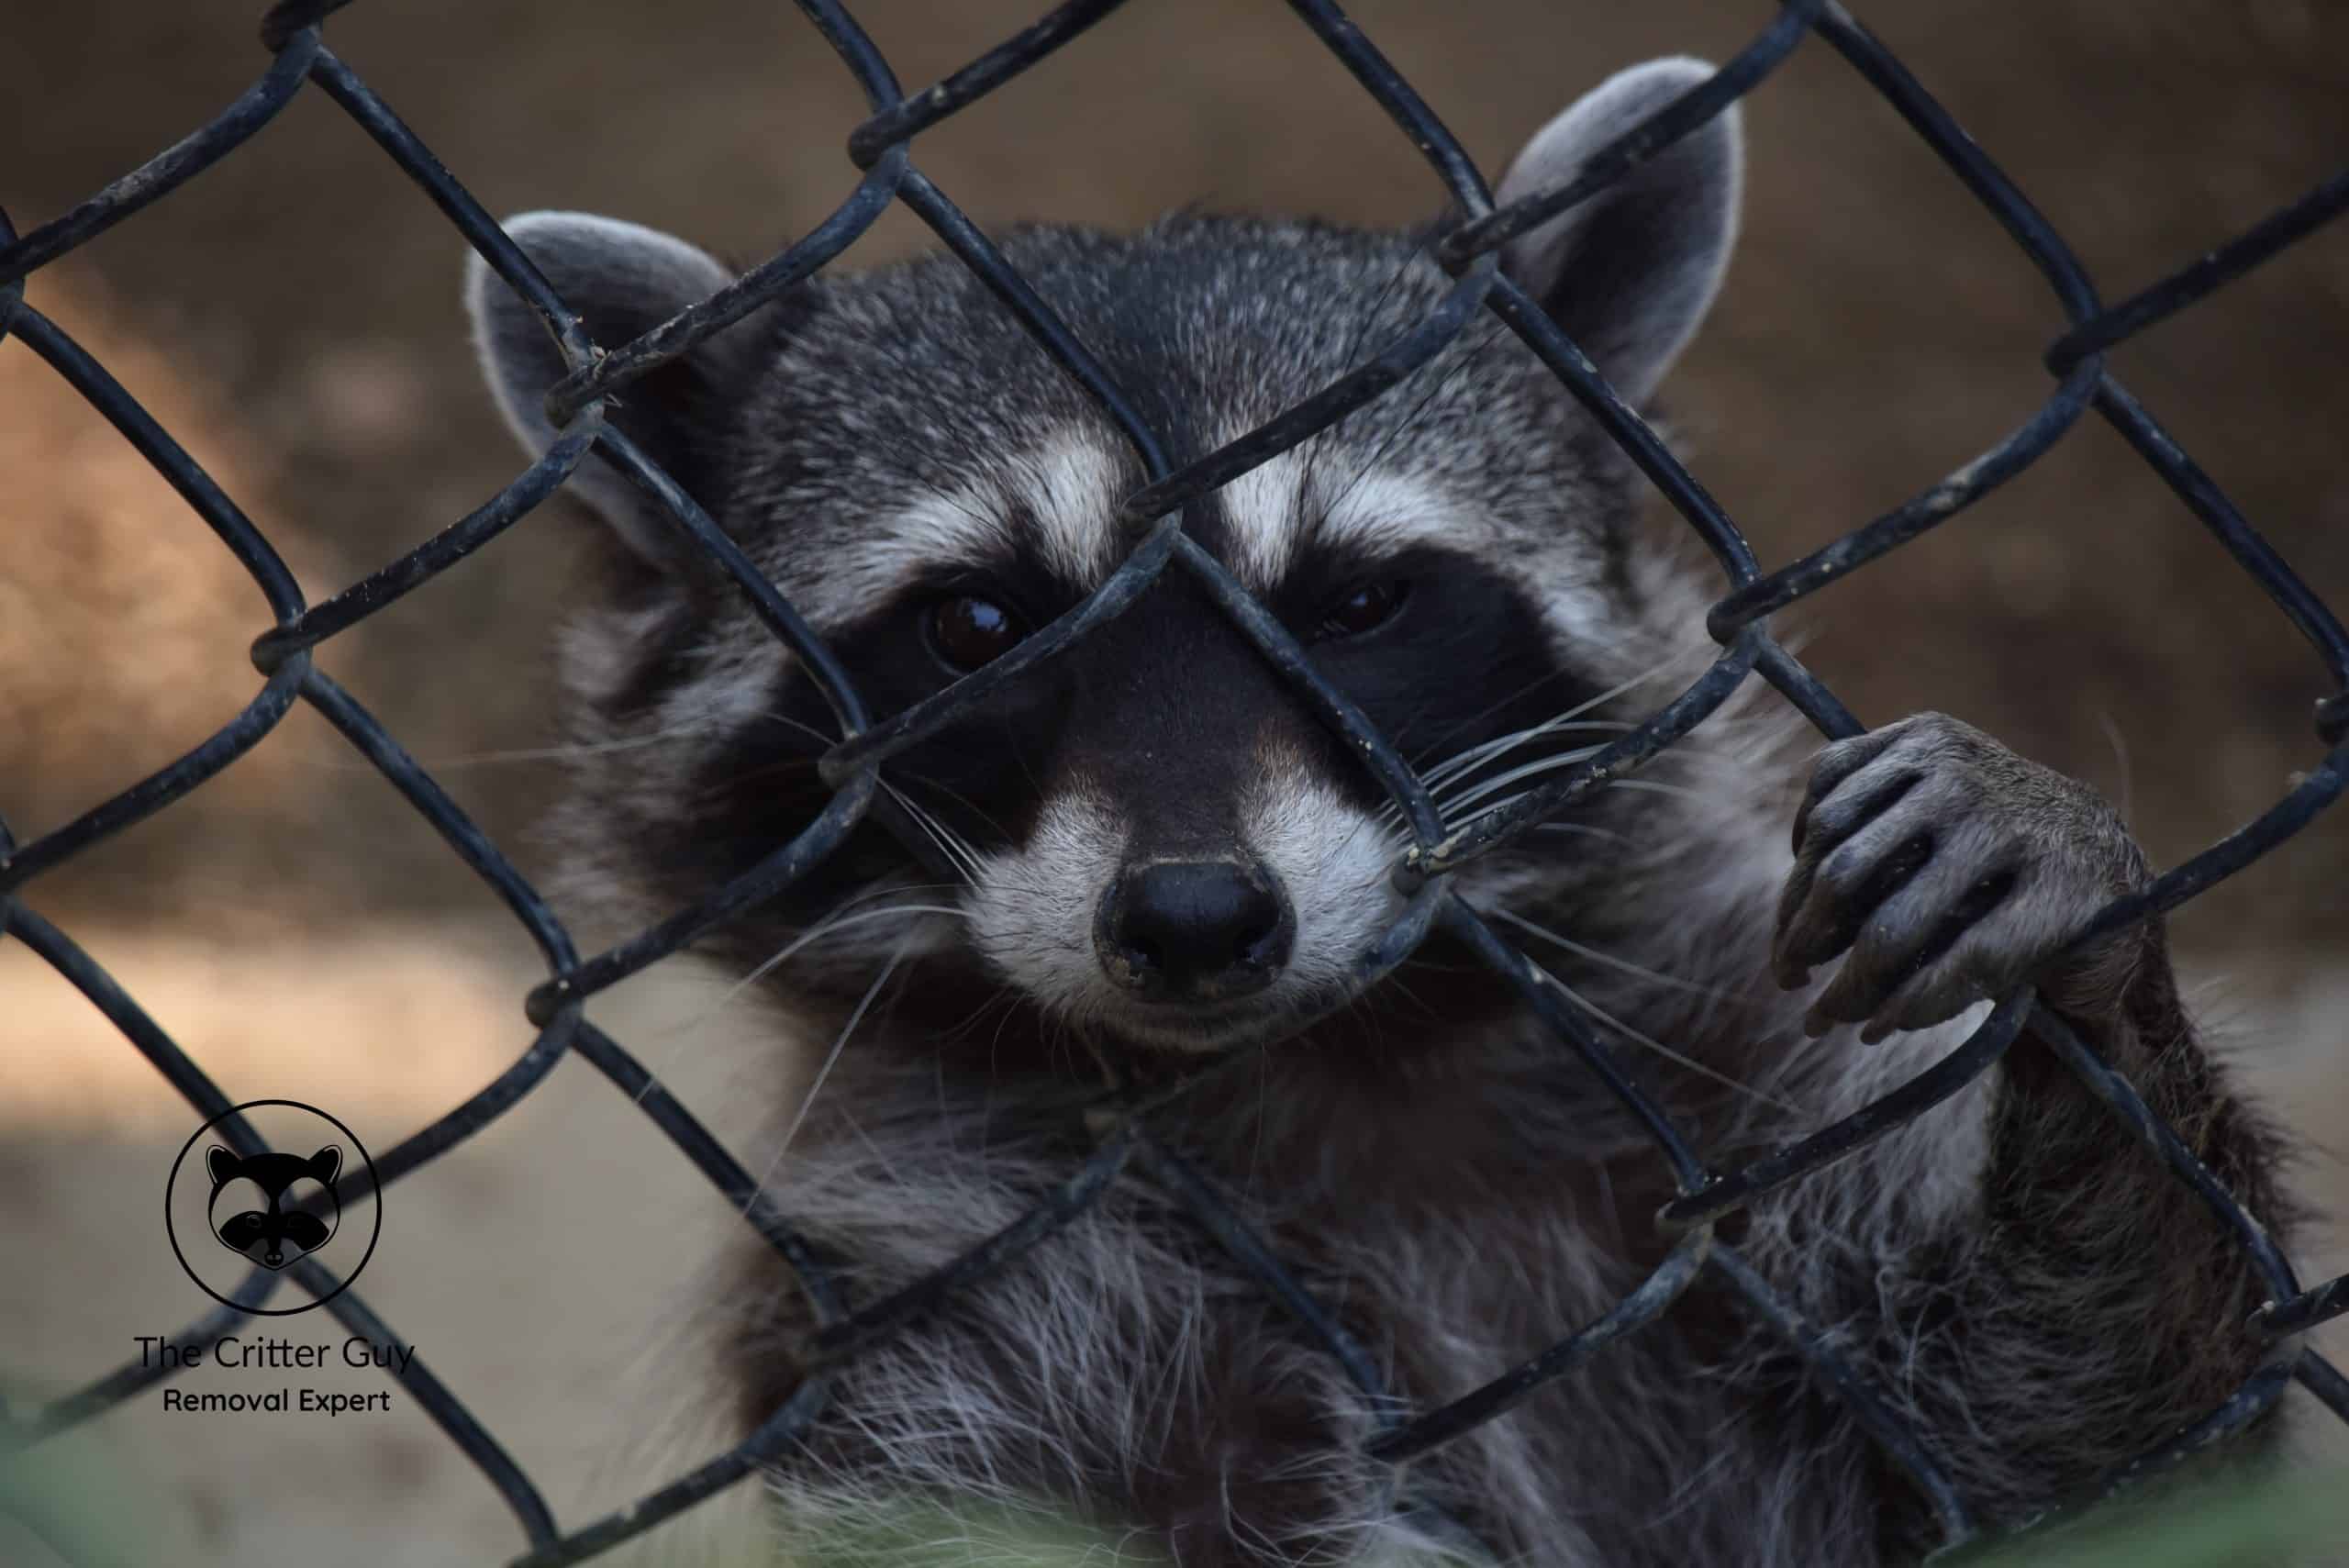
{"x":1146,"y":854}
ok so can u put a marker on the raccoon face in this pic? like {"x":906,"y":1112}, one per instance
{"x":1148,"y":839}
{"x":261,"y":1204}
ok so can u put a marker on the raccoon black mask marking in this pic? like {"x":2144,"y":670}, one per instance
{"x":272,"y":1232}
{"x":1147,"y":847}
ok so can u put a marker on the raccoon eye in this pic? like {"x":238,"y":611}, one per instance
{"x":966,"y":631}
{"x":1364,"y":608}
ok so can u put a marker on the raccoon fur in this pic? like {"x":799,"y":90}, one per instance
{"x":1148,"y":852}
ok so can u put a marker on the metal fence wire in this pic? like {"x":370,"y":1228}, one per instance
{"x":881,"y":149}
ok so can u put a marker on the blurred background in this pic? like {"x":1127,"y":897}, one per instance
{"x":292,"y":317}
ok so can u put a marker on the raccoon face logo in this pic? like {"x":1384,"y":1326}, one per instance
{"x":258,"y":1203}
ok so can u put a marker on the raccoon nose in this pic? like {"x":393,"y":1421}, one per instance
{"x":1194,"y":930}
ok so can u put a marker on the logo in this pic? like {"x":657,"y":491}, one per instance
{"x":228,"y":1212}
{"x":276,"y":1236}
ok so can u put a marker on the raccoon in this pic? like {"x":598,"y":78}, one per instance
{"x":1148,"y":854}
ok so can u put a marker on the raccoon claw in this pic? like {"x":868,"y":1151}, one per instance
{"x":1945,"y":869}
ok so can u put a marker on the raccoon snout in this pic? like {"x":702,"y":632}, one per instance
{"x":1194,"y":930}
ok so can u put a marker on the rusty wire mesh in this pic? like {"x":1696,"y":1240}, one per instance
{"x":880,"y":149}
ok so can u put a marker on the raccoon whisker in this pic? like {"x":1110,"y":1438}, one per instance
{"x":1486,"y":712}
{"x":1480,"y":789}
{"x":1652,"y":786}
{"x":831,"y":922}
{"x":1586,"y":831}
{"x":949,"y":844}
{"x":1436,"y":778}
{"x":1498,"y":807}
{"x":815,"y":1085}
{"x":1003,"y":1000}
{"x":957,"y":797}
{"x":825,"y":928}
{"x":1437,"y":781}
{"x":1661,"y":668}
{"x":930,"y":831}
{"x":1679,"y":1058}
{"x":1557,"y":721}
{"x":962,"y":845}
{"x":1657,"y":786}
{"x":771,"y":716}
{"x":1468,"y":761}
{"x":1523,"y":771}
{"x":1581,"y":950}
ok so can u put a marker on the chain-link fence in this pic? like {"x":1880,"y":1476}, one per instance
{"x":881,"y":149}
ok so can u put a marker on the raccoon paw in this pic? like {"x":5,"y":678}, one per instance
{"x":1949,"y":869}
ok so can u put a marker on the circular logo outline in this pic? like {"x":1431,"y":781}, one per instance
{"x":170,"y":1185}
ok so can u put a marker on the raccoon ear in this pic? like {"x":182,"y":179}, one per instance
{"x":221,"y":1164}
{"x":1629,"y":272}
{"x":623,"y":279}
{"x":325,"y":1163}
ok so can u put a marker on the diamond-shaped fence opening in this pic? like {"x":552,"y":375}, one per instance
{"x":881,"y":149}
